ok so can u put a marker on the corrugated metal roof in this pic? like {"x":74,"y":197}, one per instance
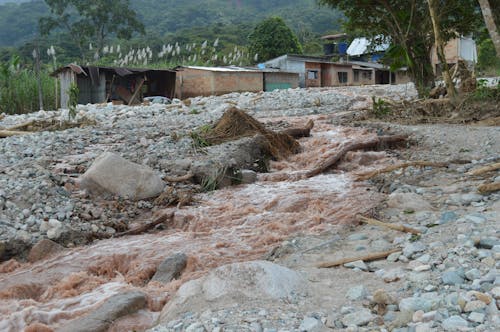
{"x":360,"y":46}
{"x":221,"y":69}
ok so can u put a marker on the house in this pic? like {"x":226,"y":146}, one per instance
{"x":313,"y":71}
{"x":364,"y":49}
{"x":461,"y":48}
{"x":335,"y":45}
{"x":320,"y":72}
{"x":98,"y":84}
{"x":206,"y":81}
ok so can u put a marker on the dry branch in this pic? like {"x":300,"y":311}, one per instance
{"x":141,"y":229}
{"x":369,"y":257}
{"x":485,"y":169}
{"x":300,"y":132}
{"x":23,"y":125}
{"x":369,"y":175}
{"x":397,"y":227}
{"x":183,"y":178}
{"x":8,"y":133}
{"x":489,"y":187}
{"x":377,"y":141}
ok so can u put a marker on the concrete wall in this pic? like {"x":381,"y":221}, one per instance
{"x":292,"y":66}
{"x":330,"y":74}
{"x":192,"y":82}
{"x":363,"y":76}
{"x":402,"y":77}
{"x":280,"y":80}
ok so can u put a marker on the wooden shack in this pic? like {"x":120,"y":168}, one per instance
{"x":97,"y":84}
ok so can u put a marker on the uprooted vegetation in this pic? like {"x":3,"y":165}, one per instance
{"x":481,"y":106}
{"x":245,"y":143}
{"x":236,"y":124}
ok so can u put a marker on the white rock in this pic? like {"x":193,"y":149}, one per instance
{"x":113,"y":174}
{"x":261,"y":280}
{"x":408,"y":202}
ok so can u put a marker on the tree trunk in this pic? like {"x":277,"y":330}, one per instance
{"x":450,"y":87}
{"x":38,"y":78}
{"x":490,"y":24}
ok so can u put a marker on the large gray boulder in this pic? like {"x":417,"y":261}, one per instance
{"x":171,"y":268}
{"x":99,"y":320}
{"x":246,"y":281}
{"x":112,"y":174}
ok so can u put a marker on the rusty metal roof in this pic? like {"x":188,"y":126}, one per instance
{"x":120,"y":71}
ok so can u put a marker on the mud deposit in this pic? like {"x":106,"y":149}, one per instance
{"x":233,"y":224}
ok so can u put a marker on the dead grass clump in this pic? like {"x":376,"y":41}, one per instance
{"x":130,"y":267}
{"x":9,"y":266}
{"x":23,"y":292}
{"x":73,"y":285}
{"x":110,"y":266}
{"x":38,"y":327}
{"x":235,"y":124}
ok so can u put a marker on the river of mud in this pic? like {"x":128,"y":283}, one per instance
{"x":229,"y":225}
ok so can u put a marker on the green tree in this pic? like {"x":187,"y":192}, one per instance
{"x":272,"y":38}
{"x":91,"y":22}
{"x":408,"y":25}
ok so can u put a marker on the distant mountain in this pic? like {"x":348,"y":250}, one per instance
{"x":3,"y":2}
{"x":19,"y":19}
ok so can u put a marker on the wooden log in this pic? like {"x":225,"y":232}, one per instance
{"x":183,"y":178}
{"x":489,"y":187}
{"x":366,"y":258}
{"x":137,"y":90}
{"x":484,"y":169}
{"x":8,"y":133}
{"x":141,"y":229}
{"x":369,"y":175}
{"x":374,"y":142}
{"x":397,"y":227}
{"x":300,"y":132}
{"x":23,"y":125}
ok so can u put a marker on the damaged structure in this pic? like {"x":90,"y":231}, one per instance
{"x":98,"y":84}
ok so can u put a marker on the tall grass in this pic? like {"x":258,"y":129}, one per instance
{"x":19,"y":89}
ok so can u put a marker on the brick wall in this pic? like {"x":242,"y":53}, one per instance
{"x":195,"y":82}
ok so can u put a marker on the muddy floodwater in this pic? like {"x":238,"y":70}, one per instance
{"x":233,"y":224}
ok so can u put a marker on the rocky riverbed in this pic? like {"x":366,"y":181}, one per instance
{"x":251,"y":252}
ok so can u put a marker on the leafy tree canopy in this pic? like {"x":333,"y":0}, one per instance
{"x":272,"y":38}
{"x":92,"y":21}
{"x":408,"y":26}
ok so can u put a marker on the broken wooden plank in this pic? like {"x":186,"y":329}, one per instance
{"x":484,"y":169}
{"x":420,"y":163}
{"x":366,"y":258}
{"x":397,"y":227}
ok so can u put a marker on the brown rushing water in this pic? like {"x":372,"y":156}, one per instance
{"x":229,"y":225}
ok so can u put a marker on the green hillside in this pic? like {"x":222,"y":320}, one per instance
{"x":18,"y":21}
